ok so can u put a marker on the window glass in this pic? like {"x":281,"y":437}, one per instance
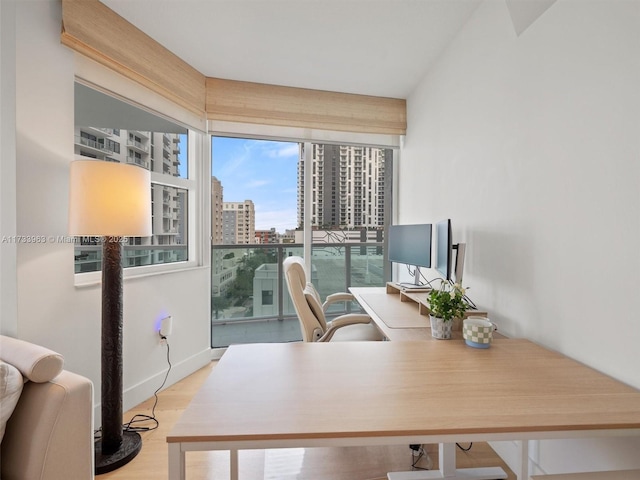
{"x":110,"y":130}
{"x":257,"y":203}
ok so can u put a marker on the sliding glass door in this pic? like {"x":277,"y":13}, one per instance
{"x":272,"y":199}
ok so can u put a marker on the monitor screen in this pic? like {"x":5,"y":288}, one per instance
{"x":444,"y":248}
{"x":410,"y":244}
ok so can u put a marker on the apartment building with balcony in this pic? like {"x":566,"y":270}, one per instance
{"x":222,"y":270}
{"x":238,"y":223}
{"x":348,"y":186}
{"x":267,"y":236}
{"x":154,"y":151}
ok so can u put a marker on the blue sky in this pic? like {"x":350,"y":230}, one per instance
{"x":262,"y":171}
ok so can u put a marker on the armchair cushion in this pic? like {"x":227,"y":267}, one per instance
{"x":311,"y":296}
{"x":352,"y":327}
{"x":36,"y":363}
{"x":11,"y":384}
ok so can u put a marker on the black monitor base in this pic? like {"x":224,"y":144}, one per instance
{"x":130,"y":447}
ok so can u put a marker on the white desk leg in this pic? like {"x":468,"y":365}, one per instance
{"x":448,"y":470}
{"x":233,"y":464}
{"x":447,"y":459}
{"x":523,"y":471}
{"x":177,"y":469}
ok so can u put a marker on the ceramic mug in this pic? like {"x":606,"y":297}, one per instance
{"x":478,"y":332}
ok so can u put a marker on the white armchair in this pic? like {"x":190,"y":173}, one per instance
{"x":311,"y":310}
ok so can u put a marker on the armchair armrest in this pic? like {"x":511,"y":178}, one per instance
{"x":336,"y":297}
{"x":343,"y":321}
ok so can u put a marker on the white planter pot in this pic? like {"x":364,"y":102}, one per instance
{"x":439,"y":328}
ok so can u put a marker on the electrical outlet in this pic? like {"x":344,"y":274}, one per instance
{"x":166,"y":326}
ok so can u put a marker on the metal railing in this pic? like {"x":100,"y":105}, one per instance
{"x":92,"y":144}
{"x":240,"y":273}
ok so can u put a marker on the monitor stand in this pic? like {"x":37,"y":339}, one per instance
{"x":415,"y":286}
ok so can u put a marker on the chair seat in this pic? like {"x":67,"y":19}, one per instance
{"x":352,"y":333}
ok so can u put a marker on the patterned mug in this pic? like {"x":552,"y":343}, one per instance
{"x":478,"y":332}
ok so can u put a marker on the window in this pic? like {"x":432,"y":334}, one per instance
{"x":267,"y":297}
{"x":250,"y":302}
{"x":101,"y":134}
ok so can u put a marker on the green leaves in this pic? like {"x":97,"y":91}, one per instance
{"x":447,"y":302}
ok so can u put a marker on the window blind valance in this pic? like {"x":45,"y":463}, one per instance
{"x":236,"y":101}
{"x":94,"y":30}
{"x":91,"y":28}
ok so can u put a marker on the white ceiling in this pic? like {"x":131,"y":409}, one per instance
{"x":372,"y":47}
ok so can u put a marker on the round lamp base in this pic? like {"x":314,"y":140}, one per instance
{"x":131,"y":445}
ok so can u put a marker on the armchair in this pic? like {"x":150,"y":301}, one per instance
{"x":311,"y":310}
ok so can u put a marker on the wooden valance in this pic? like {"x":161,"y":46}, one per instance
{"x":94,"y":30}
{"x":248,"y":102}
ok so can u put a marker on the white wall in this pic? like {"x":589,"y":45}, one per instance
{"x":531,"y":146}
{"x":51,"y":311}
{"x":8,"y":294}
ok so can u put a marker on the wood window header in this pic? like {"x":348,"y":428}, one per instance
{"x":248,"y":102}
{"x":94,"y":30}
{"x":91,"y":28}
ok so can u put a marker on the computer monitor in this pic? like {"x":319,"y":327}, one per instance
{"x":444,"y":248}
{"x":410,"y":245}
{"x":450,"y":269}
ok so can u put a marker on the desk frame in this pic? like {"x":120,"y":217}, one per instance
{"x":264,"y":385}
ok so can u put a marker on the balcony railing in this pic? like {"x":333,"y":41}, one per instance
{"x":92,"y":144}
{"x":137,"y":145}
{"x":248,"y":286}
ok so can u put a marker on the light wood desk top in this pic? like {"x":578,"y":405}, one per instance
{"x":268,"y":394}
{"x":403,"y":316}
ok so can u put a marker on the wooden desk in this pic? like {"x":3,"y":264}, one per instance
{"x":403,"y":315}
{"x":384,"y":393}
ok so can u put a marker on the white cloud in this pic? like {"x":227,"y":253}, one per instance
{"x":257,"y":183}
{"x":281,"y":219}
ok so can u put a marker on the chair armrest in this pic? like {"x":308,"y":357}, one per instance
{"x":336,"y":297}
{"x":343,"y":321}
{"x":50,"y":433}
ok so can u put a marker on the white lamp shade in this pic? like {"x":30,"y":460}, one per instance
{"x":109,"y":199}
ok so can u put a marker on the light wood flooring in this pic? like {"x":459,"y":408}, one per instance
{"x":349,"y":463}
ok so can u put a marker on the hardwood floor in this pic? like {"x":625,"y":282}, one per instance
{"x":351,"y":463}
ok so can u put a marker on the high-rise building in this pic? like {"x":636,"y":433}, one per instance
{"x":267,"y":236}
{"x":216,"y":211}
{"x":158,"y":152}
{"x":238,"y":223}
{"x":347,"y":186}
{"x":223,"y":272}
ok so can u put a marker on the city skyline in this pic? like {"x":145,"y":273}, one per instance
{"x":263,"y":171}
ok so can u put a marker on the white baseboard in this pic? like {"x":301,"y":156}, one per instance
{"x":509,"y":452}
{"x":144,"y":390}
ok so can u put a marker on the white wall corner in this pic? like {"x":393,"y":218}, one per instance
{"x":525,"y":12}
{"x":8,"y":249}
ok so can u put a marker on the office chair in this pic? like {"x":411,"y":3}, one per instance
{"x":311,"y":311}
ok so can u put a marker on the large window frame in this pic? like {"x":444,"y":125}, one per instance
{"x":308,"y":138}
{"x":197,"y":159}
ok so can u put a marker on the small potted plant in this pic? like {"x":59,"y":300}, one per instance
{"x":445,"y":304}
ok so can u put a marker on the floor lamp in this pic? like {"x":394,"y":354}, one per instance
{"x":111,"y":201}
